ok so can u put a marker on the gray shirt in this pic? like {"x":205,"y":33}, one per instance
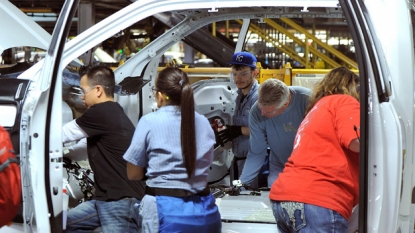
{"x":156,"y":146}
{"x":277,"y":133}
{"x":240,"y":144}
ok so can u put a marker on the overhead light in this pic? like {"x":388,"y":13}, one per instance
{"x":45,"y":17}
{"x":37,"y":10}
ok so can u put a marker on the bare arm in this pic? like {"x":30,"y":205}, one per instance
{"x":355,"y":145}
{"x":245,"y":130}
{"x":134,"y":172}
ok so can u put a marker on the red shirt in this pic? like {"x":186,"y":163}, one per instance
{"x":321,"y":170}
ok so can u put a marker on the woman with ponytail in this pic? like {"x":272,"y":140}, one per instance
{"x":174,"y":156}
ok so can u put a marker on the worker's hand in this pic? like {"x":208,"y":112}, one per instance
{"x":231,"y":132}
{"x":238,"y":186}
{"x":218,"y":140}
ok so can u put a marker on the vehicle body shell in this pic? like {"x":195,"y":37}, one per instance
{"x":385,"y":55}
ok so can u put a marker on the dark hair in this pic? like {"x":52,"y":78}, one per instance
{"x":339,"y":80}
{"x":174,"y":84}
{"x":99,"y":74}
{"x":241,"y":67}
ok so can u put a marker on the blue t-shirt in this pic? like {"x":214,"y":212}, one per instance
{"x":240,"y":145}
{"x":156,"y":146}
{"x":277,"y":133}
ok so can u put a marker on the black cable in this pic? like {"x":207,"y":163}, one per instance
{"x":355,"y":130}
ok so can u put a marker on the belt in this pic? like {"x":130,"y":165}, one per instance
{"x":175,"y":192}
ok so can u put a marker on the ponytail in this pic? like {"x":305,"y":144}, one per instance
{"x":174,"y":83}
{"x":188,"y":135}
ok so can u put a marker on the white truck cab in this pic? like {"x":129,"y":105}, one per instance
{"x":34,"y":103}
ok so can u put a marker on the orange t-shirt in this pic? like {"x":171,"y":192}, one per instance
{"x":321,"y":170}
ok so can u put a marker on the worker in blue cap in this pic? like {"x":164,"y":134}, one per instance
{"x":244,"y":73}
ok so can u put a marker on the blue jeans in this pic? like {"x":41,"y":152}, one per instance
{"x":111,"y":216}
{"x":305,"y":218}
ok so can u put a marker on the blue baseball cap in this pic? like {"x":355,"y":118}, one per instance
{"x":243,"y":59}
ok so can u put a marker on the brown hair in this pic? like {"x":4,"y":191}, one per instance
{"x":338,"y":81}
{"x":241,"y":67}
{"x":174,"y":83}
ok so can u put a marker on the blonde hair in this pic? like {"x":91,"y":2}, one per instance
{"x":338,"y":81}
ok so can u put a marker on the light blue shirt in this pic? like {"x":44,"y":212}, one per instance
{"x":277,"y":133}
{"x":240,"y":145}
{"x":156,"y":146}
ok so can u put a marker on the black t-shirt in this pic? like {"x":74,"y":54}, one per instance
{"x":110,"y":132}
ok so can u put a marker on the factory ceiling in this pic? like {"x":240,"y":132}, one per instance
{"x":46,"y":11}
